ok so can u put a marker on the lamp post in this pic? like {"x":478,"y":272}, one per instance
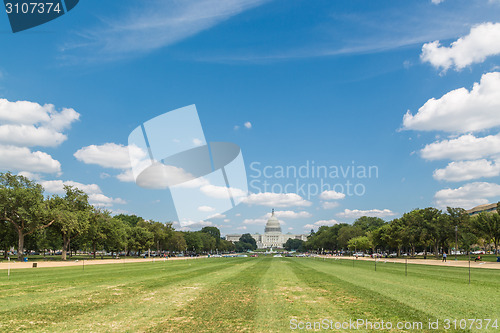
{"x":456,"y":241}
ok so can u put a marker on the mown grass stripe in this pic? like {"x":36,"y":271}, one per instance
{"x":229,"y":306}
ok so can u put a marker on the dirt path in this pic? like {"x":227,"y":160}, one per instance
{"x":433,"y":262}
{"x":42,"y":264}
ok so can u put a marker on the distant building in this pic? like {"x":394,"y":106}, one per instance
{"x":482,"y":208}
{"x":272,"y":237}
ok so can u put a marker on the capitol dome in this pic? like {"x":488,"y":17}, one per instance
{"x":273,"y":225}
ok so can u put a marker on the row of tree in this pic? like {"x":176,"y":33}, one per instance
{"x":31,"y":221}
{"x":419,"y":230}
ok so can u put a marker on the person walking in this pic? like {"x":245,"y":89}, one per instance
{"x":444,"y":256}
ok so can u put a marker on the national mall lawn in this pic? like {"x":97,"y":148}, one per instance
{"x":263,"y":294}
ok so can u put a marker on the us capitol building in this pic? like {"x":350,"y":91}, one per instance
{"x":272,"y":237}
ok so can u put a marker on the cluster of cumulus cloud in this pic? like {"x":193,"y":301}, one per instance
{"x":27,"y":128}
{"x":469,"y":119}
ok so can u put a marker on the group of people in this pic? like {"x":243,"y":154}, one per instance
{"x":478,"y":258}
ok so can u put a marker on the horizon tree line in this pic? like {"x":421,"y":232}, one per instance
{"x":29,"y":220}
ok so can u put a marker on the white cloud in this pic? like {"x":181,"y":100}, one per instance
{"x":160,"y":176}
{"x":127,"y":176}
{"x":23,"y":159}
{"x":482,"y":41}
{"x":30,"y":113}
{"x":465,"y":147}
{"x":57,"y":186}
{"x":331,"y":195}
{"x":236,"y":127}
{"x":104,"y":175}
{"x":460,"y":111}
{"x":329,"y":204}
{"x":356,"y":213}
{"x":99,"y":199}
{"x":194,"y":183}
{"x":437,"y":2}
{"x":217,"y":216}
{"x":96,"y":197}
{"x":221,"y":192}
{"x":242,"y":228}
{"x":197,"y":142}
{"x":260,"y":221}
{"x":110,"y":155}
{"x":29,"y":136}
{"x":159,"y":24}
{"x":30,"y":175}
{"x":289,"y":214}
{"x":276,"y":200}
{"x":206,"y":209}
{"x":248,"y":125}
{"x":468,"y":170}
{"x":257,"y":221}
{"x":187,"y":225}
{"x":468,"y":196}
{"x":280,"y":214}
{"x":320,"y":223}
{"x":26,"y":124}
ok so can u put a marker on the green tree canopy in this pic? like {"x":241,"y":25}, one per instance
{"x":248,"y":239}
{"x":22,"y":205}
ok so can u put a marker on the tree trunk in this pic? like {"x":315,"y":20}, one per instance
{"x":66,"y":240}
{"x":436,"y":245}
{"x":94,"y":246}
{"x":20,"y":245}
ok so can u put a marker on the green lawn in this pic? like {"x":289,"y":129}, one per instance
{"x":242,"y":294}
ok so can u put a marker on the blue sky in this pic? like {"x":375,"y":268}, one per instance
{"x":323,"y":82}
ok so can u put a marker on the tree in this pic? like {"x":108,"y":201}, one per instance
{"x":393,"y":234}
{"x":96,"y":233}
{"x":248,"y":239}
{"x":131,"y":220}
{"x":140,"y":239}
{"x":488,"y":225}
{"x":116,"y":235}
{"x":436,"y":227}
{"x":71,"y":213}
{"x":412,"y":229}
{"x":294,"y":245}
{"x":176,"y":242}
{"x":377,"y":237}
{"x":22,"y":205}
{"x":8,"y":237}
{"x":208,"y":241}
{"x":214,"y":232}
{"x":226,"y":246}
{"x":160,"y":231}
{"x":347,"y":232}
{"x":193,"y":241}
{"x":368,"y":223}
{"x":360,"y":243}
{"x":243,"y":246}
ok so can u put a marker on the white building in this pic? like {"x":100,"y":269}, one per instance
{"x":272,"y":237}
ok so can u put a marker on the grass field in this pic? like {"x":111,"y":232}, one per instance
{"x":243,"y":294}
